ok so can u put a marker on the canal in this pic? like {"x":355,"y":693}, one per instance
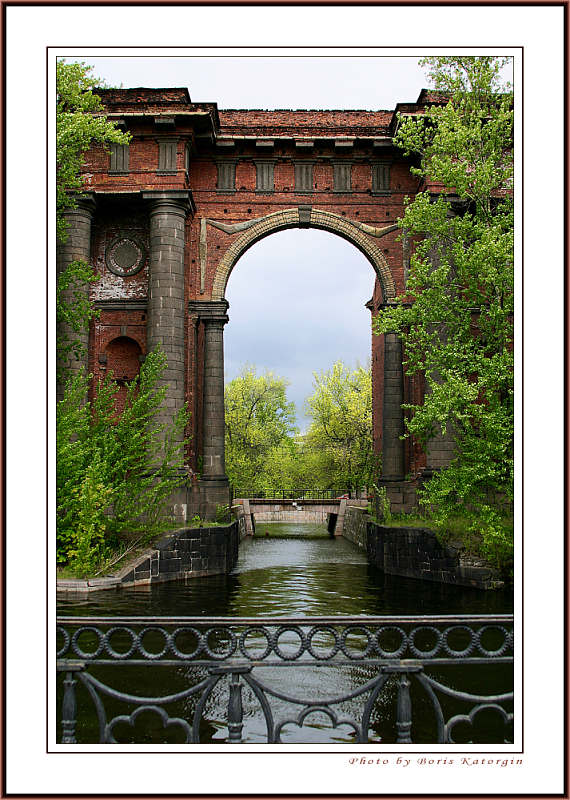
{"x":293,"y":569}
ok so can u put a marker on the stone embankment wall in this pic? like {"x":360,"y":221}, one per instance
{"x":188,"y":553}
{"x":185,"y":553}
{"x":416,"y":553}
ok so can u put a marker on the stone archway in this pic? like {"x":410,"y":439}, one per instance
{"x":302,"y":217}
{"x":212,"y":313}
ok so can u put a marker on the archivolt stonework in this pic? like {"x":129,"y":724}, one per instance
{"x":356,"y":232}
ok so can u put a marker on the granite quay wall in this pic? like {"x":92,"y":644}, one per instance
{"x":188,"y":553}
{"x":244,"y":517}
{"x":354,"y":528}
{"x":185,"y":553}
{"x":417,"y":553}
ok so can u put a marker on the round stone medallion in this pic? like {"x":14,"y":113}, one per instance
{"x":125,"y":256}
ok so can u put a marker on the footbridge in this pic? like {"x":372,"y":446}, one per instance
{"x":329,"y":510}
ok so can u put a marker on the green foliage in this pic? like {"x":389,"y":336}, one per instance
{"x":456,"y":318}
{"x":80,"y":123}
{"x":123,"y":468}
{"x":88,"y":548}
{"x":74,"y":310}
{"x":222,"y":514}
{"x":259,"y":419}
{"x":382,"y":508}
{"x":264,"y":450}
{"x":338,"y":443}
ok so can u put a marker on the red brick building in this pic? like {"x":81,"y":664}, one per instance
{"x":166,"y":218}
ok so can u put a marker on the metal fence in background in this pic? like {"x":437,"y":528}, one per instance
{"x":293,"y":494}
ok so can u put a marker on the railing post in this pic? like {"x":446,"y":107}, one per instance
{"x":235,"y":710}
{"x":404,"y":711}
{"x":68,"y":710}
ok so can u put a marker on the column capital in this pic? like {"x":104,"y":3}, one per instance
{"x":83,"y":205}
{"x":177,"y":201}
{"x":209,"y":311}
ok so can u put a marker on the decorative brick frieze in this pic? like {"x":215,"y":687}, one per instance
{"x":167,"y":156}
{"x":304,"y":177}
{"x":265,"y":182}
{"x":226,"y":176}
{"x":381,"y":178}
{"x":342,"y":176}
{"x":119,"y":159}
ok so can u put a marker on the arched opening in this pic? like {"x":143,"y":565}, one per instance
{"x":305,"y":217}
{"x":123,"y":358}
{"x":298,"y":305}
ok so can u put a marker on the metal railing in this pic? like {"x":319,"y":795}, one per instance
{"x":292,"y":494}
{"x":357,"y":679}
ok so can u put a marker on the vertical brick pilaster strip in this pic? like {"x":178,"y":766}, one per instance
{"x":393,"y":417}
{"x":77,"y":247}
{"x":166,"y":312}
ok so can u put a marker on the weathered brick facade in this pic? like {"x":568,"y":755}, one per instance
{"x":172,"y":213}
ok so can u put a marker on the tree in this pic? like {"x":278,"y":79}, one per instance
{"x":258,"y":419}
{"x":80,"y":123}
{"x":339,"y":439}
{"x":456,"y":316}
{"x":115,"y":473}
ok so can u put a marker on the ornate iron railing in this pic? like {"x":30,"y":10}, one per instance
{"x":366,"y":679}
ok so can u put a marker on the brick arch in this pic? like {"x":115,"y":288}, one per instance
{"x":123,"y":360}
{"x":291,"y":218}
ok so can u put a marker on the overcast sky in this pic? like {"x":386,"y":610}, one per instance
{"x":297,"y":297}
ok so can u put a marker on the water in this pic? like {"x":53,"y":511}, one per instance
{"x":297,"y":570}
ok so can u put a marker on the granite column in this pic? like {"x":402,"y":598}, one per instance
{"x":214,"y":481}
{"x":166,"y":311}
{"x":76,"y":247}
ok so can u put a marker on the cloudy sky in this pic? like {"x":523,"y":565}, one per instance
{"x":297,"y":297}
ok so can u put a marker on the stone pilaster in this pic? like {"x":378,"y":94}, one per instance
{"x":214,"y":481}
{"x":393,"y":464}
{"x":166,"y":311}
{"x":77,"y":247}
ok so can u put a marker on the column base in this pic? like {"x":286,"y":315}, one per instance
{"x":214,"y":492}
{"x":401,"y":494}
